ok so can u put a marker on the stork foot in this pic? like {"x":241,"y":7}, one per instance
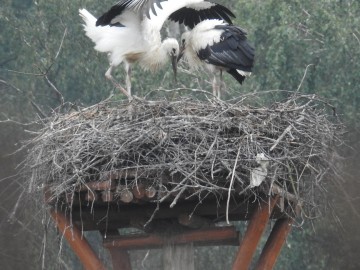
{"x":222,"y":89}
{"x":216,"y":90}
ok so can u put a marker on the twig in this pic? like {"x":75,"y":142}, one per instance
{"x":303,"y":78}
{"x":287,"y":130}
{"x":12,"y":86}
{"x":230,"y":187}
{"x":61,"y":44}
{"x":37,"y":108}
{"x":57,"y":92}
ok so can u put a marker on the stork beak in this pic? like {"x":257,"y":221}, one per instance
{"x":174,"y":66}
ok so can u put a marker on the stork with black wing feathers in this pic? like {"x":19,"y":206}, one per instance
{"x":130,"y":31}
{"x":219,"y":46}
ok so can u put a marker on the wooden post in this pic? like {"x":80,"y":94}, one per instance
{"x":119,"y":257}
{"x":253,"y":235}
{"x":274,"y":244}
{"x":178,"y":257}
{"x":77,"y":242}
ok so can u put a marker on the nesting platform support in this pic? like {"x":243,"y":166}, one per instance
{"x":253,"y":234}
{"x":119,"y":245}
{"x":77,"y":242}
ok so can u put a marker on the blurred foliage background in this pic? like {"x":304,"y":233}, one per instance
{"x":310,"y":46}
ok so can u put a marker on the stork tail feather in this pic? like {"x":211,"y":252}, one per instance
{"x":233,"y":72}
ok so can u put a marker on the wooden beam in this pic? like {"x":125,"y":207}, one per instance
{"x":150,"y":192}
{"x":125,"y":195}
{"x":98,"y":185}
{"x":139,"y":191}
{"x":220,"y":235}
{"x":77,"y":242}
{"x":101,"y":216}
{"x":107,"y":196}
{"x":274,"y":244}
{"x":91,"y":196}
{"x":253,"y":234}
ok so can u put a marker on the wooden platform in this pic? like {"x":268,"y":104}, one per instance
{"x":99,"y":207}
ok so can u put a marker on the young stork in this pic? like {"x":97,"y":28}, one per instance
{"x":130,"y":31}
{"x":219,"y":47}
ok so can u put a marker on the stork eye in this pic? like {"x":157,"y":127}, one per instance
{"x":174,"y":50}
{"x":183,"y":41}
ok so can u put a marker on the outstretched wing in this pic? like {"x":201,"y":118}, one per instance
{"x":187,"y":14}
{"x":145,"y":6}
{"x":137,"y":6}
{"x":232,"y":51}
{"x":193,"y":14}
{"x":108,"y":18}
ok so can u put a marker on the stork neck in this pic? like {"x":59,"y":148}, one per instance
{"x":155,"y":57}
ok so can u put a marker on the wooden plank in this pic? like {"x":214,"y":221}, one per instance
{"x":227,"y":235}
{"x":253,"y":234}
{"x":274,"y":244}
{"x":77,"y":242}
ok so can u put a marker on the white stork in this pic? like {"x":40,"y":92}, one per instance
{"x":219,"y":47}
{"x":130,"y":31}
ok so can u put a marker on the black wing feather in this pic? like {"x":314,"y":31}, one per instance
{"x":119,"y":8}
{"x":109,"y":15}
{"x":150,"y":4}
{"x":233,"y":51}
{"x":191,"y":17}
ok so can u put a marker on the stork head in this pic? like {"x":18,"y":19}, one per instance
{"x":171,"y":47}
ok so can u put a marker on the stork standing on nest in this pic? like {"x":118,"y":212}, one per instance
{"x":219,"y":47}
{"x":130,"y":32}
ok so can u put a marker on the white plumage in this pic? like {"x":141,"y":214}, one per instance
{"x":130,"y":31}
{"x":218,"y":46}
{"x":127,"y":44}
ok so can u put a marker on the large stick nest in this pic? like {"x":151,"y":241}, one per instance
{"x":191,"y":148}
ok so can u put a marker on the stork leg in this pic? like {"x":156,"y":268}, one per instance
{"x":128,"y":78}
{"x":215,"y":86}
{"x":220,"y":84}
{"x":115,"y":83}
